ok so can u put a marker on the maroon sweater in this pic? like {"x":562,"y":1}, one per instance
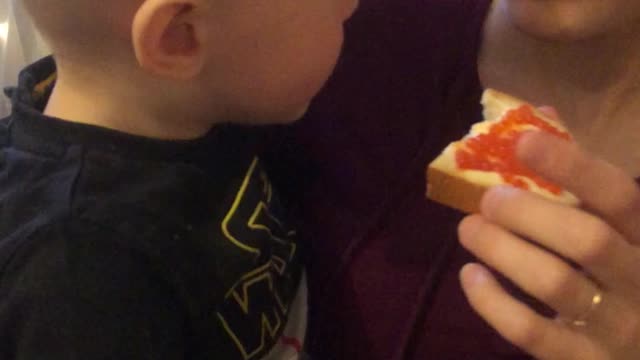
{"x":384,"y":262}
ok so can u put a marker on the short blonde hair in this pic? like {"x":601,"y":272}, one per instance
{"x":82,"y":27}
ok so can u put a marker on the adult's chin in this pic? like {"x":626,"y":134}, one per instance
{"x":559,"y":20}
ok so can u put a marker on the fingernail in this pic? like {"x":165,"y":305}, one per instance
{"x":468,"y":228}
{"x":534,"y":147}
{"x":473,"y":275}
{"x":494,"y":197}
{"x":524,"y":146}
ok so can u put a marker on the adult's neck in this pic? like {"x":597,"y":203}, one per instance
{"x":96,"y":98}
{"x":594,"y":84}
{"x":589,"y":80}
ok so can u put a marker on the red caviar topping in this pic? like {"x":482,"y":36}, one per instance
{"x":495,"y":151}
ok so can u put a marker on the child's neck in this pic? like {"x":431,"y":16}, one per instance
{"x":93,"y":100}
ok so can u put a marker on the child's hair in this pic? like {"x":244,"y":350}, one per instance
{"x":75,"y":28}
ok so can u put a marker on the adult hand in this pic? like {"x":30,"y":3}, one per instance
{"x":597,"y":301}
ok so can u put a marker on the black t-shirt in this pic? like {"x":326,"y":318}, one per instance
{"x":114,"y":246}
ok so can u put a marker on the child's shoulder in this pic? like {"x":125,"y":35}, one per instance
{"x":71,"y":285}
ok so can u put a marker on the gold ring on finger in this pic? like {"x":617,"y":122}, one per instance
{"x":583,"y":320}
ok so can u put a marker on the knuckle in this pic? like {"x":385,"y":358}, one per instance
{"x":569,"y":163}
{"x":625,"y":200}
{"x":593,"y":245}
{"x":559,"y":284}
{"x":628,"y":204}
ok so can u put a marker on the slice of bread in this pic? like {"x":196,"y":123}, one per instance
{"x":462,"y":189}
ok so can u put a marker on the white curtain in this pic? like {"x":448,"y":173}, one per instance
{"x":20,"y":44}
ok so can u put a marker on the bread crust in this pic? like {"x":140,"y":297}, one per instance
{"x":446,"y":183}
{"x":454,"y":191}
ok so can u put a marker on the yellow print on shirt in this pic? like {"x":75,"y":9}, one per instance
{"x":255,"y":309}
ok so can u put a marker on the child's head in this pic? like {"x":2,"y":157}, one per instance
{"x":231,"y":60}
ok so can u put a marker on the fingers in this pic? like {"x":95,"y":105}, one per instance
{"x":569,"y":232}
{"x":599,"y":237}
{"x":534,"y":270}
{"x":539,"y":336}
{"x":602,"y":187}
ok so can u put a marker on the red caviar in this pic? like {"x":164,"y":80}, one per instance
{"x":495,"y":151}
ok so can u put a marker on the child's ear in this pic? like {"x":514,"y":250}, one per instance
{"x":167,"y":38}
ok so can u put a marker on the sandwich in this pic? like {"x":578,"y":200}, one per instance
{"x":486,"y":156}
